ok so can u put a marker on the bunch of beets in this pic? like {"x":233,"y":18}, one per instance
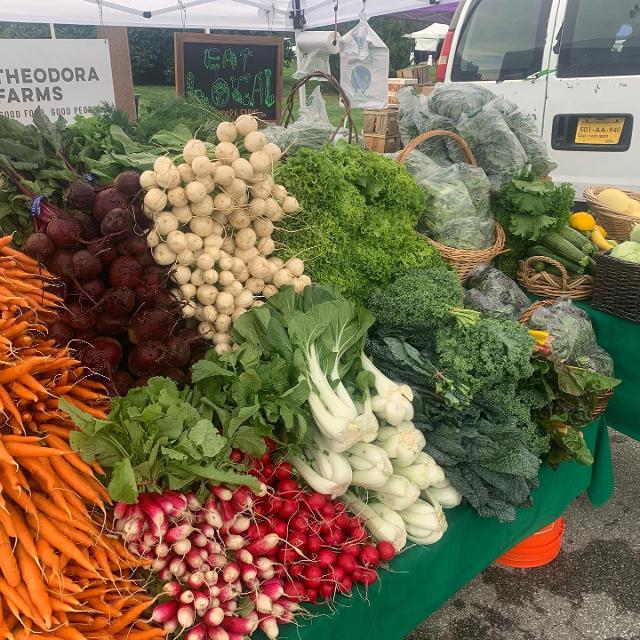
{"x":118,"y":316}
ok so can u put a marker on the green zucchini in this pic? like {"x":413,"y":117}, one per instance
{"x":577,"y":240}
{"x":591,"y":267}
{"x":571,"y":267}
{"x":563,"y":248}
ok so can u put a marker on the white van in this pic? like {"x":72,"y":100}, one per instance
{"x":573,"y":64}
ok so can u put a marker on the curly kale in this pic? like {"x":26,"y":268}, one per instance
{"x":420,"y":299}
{"x":356,"y":229}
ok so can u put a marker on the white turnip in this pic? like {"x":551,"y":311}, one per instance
{"x":176,"y":241}
{"x":245,"y":238}
{"x":163,"y":255}
{"x":254,"y":141}
{"x":290,"y":205}
{"x":237,"y":189}
{"x":282,"y":278}
{"x":215,"y":239}
{"x":225,"y":302}
{"x":153,"y":239}
{"x":206,"y":330}
{"x":188,"y":290}
{"x":196,"y":191}
{"x":223,"y":323}
{"x":266,"y":246}
{"x":177,"y":197}
{"x":163,"y":163}
{"x":207,"y":182}
{"x":226,"y":132}
{"x":168,"y":179}
{"x":239,"y":219}
{"x":204,"y":208}
{"x":225,"y":278}
{"x":226,"y":152}
{"x":181,"y":274}
{"x":257,"y":207}
{"x":223,"y":203}
{"x":254,"y":285}
{"x":187,"y":174}
{"x":263,"y":227}
{"x":207,"y":294}
{"x":186,"y":257}
{"x":194,"y":242}
{"x":202,"y":226}
{"x":295,"y":267}
{"x":235,"y":288}
{"x":201,"y":166}
{"x":197,"y":277}
{"x":224,"y":175}
{"x":183,"y":214}
{"x":242,"y":169}
{"x":273,"y":150}
{"x":148,"y":180}
{"x":193,"y":149}
{"x":245,"y":124}
{"x":155,"y":199}
{"x":210,"y":276}
{"x":269,"y":290}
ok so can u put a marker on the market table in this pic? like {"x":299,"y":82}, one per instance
{"x":621,"y":339}
{"x":423,"y":578}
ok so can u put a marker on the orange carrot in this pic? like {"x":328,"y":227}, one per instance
{"x":8,"y":564}
{"x":37,"y":590}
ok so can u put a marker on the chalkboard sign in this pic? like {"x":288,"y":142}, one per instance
{"x":234,"y":74}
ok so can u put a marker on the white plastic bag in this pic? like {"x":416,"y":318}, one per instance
{"x":364,"y":67}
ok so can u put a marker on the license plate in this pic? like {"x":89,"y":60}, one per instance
{"x":599,"y":130}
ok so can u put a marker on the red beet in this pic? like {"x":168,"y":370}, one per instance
{"x":88,"y":226}
{"x":85,"y":266}
{"x":125,"y":271}
{"x":61,"y":332}
{"x":121,"y":382}
{"x":63,"y":231}
{"x":92,"y":290}
{"x":85,"y":336}
{"x":105,"y":250}
{"x":111,"y":325}
{"x":39,"y":246}
{"x":118,"y":301}
{"x":128,"y":182}
{"x":152,"y":324}
{"x":148,"y":358}
{"x":145,"y":258}
{"x":111,"y":348}
{"x":134,"y":246}
{"x":178,"y":352}
{"x":146,"y":294}
{"x":177,"y":375}
{"x":80,"y":195}
{"x":78,"y":317}
{"x":116,"y":223}
{"x":108,"y":199}
{"x":61,"y":264}
{"x":96,"y":361}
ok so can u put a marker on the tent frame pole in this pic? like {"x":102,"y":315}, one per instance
{"x":297,"y":17}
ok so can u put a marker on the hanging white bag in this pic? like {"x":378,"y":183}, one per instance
{"x":364,"y":67}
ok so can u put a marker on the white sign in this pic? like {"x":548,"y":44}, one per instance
{"x":63,"y":77}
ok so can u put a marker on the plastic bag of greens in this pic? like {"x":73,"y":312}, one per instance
{"x":312,"y":129}
{"x":493,"y":293}
{"x":454,"y":100}
{"x":524,"y":128}
{"x":456,"y":215}
{"x":495,"y":146}
{"x":573,"y":337}
{"x":415,"y":118}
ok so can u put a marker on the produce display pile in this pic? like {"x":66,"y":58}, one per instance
{"x":237,"y":383}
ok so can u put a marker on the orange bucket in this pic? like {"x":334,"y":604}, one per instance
{"x":536,"y":550}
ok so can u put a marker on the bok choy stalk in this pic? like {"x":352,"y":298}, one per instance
{"x":423,"y":471}
{"x":382,"y":522}
{"x":425,"y":523}
{"x":393,"y":401}
{"x":444,"y":493}
{"x":371,"y":467}
{"x":402,"y":443}
{"x":367,"y":419}
{"x":398,"y":493}
{"x":324,"y":471}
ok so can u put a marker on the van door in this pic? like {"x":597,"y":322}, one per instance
{"x":594,"y":95}
{"x":505,"y":46}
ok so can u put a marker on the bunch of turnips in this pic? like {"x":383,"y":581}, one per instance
{"x":213,"y":217}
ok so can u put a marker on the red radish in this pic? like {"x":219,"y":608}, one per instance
{"x":248,"y":573}
{"x":165,"y":612}
{"x":186,"y":597}
{"x":327,"y":589}
{"x":316,"y":501}
{"x":294,"y":589}
{"x":222,"y":493}
{"x":269,"y":626}
{"x":288,"y":486}
{"x":213,"y":617}
{"x":262,"y":602}
{"x":312,"y":576}
{"x":182,"y":547}
{"x":178,"y":532}
{"x":283,"y":471}
{"x":124,"y":271}
{"x":217,"y":633}
{"x":244,"y":556}
{"x":369,"y":556}
{"x":326,"y":558}
{"x":273,"y":589}
{"x":345,"y":585}
{"x":288,"y":508}
{"x":231,"y":572}
{"x":347,"y":562}
{"x":314,"y":544}
{"x":186,"y":615}
{"x":264,"y":545}
{"x":172,"y":588}
{"x":236,"y":624}
{"x":198,"y":632}
{"x":386,"y":551}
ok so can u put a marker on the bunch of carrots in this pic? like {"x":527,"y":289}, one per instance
{"x":62,"y":575}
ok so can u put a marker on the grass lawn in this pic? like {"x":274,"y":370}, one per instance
{"x":149,"y":93}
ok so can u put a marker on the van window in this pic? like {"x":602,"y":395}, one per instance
{"x":501,"y":40}
{"x":600,"y":39}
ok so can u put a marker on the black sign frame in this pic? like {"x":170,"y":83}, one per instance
{"x":182,"y":46}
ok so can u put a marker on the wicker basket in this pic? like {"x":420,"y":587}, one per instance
{"x":543,"y":283}
{"x":288,"y":114}
{"x":602,"y":400}
{"x":617,"y":287}
{"x":617,"y":225}
{"x":462,"y":260}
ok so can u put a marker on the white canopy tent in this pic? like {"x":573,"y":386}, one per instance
{"x":254,"y":15}
{"x":427,"y":39}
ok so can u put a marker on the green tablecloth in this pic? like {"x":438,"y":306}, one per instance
{"x":423,"y":578}
{"x":621,"y":339}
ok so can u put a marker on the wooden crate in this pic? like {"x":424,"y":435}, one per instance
{"x":425,"y":89}
{"x":382,"y":144}
{"x":395,"y":84}
{"x":383,"y":121}
{"x":392,"y":100}
{"x":421,"y":72}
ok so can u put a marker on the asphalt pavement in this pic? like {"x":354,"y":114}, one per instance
{"x":590,"y":592}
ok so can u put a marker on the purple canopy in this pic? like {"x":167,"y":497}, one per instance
{"x":441,"y":12}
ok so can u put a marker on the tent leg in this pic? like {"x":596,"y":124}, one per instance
{"x":52,"y":30}
{"x":302,"y":92}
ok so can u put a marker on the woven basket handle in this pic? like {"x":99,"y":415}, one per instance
{"x":287,"y":115}
{"x":468,"y":154}
{"x":529,"y":262}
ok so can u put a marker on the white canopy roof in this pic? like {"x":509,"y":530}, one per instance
{"x":258,"y":15}
{"x":427,"y":38}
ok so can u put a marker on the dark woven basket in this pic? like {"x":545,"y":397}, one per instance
{"x":616,"y":289}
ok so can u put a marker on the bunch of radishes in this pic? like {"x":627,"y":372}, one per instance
{"x":118,"y":314}
{"x":238,"y":561}
{"x":213,"y":218}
